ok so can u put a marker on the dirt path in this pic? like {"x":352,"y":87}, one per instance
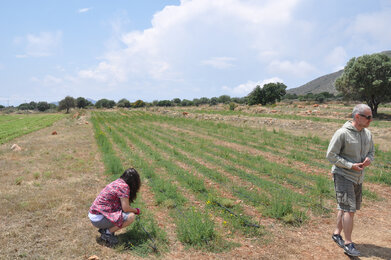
{"x":47,"y":188}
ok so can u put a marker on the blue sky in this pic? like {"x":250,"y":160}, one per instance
{"x":155,"y":50}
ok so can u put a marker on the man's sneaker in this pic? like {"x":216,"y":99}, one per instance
{"x":338,"y":239}
{"x":351,"y":250}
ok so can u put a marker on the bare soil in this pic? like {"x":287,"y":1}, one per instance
{"x":48,"y":186}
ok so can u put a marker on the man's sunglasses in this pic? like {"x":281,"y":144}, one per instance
{"x":367,"y":117}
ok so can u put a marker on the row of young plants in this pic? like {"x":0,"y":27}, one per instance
{"x":252,"y":168}
{"x":194,"y":226}
{"x":310,"y":149}
{"x":280,"y":202}
{"x":12,"y":126}
{"x":191,"y":183}
{"x":144,"y":236}
{"x":159,"y":144}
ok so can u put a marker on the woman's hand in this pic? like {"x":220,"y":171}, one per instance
{"x":125,"y":205}
{"x":127,"y":208}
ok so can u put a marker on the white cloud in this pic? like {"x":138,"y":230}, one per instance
{"x":246,"y":88}
{"x":195,"y":33}
{"x":219,"y":62}
{"x":373,"y":26}
{"x":48,"y":80}
{"x":337,"y":58}
{"x":21,"y":56}
{"x":40,"y":45}
{"x":84,"y":10}
{"x":286,"y":67}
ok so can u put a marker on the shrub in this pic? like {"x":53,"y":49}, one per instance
{"x":138,"y":103}
{"x":232,"y":106}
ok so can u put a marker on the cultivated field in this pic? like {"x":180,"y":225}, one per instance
{"x":248,"y":184}
{"x":12,"y":126}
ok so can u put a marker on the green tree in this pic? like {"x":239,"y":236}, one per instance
{"x":105,"y":103}
{"x":32,"y":105}
{"x":367,"y":78}
{"x":239,"y":100}
{"x":269,"y":94}
{"x":256,"y":96}
{"x":176,"y":101}
{"x":196,"y":102}
{"x":186,"y":103}
{"x":273,"y":92}
{"x":124,"y":103}
{"x":138,"y":103}
{"x":225,"y":99}
{"x":213,"y":101}
{"x":24,"y":106}
{"x":43,"y":106}
{"x":82,"y":102}
{"x":204,"y":101}
{"x":164,"y":103}
{"x":320,"y":98}
{"x":67,"y":103}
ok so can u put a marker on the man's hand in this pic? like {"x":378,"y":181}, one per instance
{"x":366,"y":162}
{"x":358,"y":166}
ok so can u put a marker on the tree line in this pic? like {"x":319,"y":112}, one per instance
{"x":366,"y":78}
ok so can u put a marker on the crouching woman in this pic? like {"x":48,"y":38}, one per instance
{"x":111,"y":210}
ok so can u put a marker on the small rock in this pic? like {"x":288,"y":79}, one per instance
{"x":15,"y":147}
{"x":93,"y":257}
{"x":54,"y":133}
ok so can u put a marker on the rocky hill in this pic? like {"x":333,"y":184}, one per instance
{"x":322,"y":84}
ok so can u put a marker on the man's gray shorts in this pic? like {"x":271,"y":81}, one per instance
{"x":105,"y":223}
{"x":348,"y":194}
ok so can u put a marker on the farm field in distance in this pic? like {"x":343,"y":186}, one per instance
{"x":251,"y":183}
{"x":12,"y":126}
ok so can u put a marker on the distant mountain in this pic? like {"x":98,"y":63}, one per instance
{"x":91,"y":100}
{"x":322,"y":84}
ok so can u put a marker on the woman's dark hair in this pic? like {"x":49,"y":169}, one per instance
{"x":131,"y":177}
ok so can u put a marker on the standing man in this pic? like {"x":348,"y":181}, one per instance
{"x":350,"y":150}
